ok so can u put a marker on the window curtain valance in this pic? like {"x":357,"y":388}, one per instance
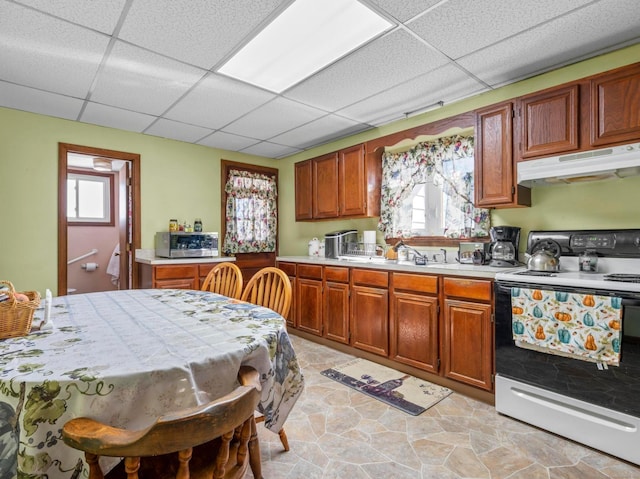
{"x":448,"y":163}
{"x":251,"y":213}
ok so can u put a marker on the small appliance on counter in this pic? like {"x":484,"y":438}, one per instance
{"x":335,"y":243}
{"x":504,"y":246}
{"x":180,"y":244}
{"x":473,"y":252}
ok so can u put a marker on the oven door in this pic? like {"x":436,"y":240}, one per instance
{"x":615,"y":387}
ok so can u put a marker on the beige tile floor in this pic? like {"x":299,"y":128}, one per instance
{"x":338,"y":433}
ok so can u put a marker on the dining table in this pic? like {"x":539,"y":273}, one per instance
{"x":126,"y":357}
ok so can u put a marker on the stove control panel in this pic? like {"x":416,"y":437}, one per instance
{"x":621,"y":243}
{"x":595,"y":240}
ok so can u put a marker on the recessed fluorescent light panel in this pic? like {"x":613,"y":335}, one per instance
{"x":306,"y":37}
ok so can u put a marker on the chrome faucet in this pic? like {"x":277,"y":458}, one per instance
{"x":415,"y":251}
{"x":444,"y":255}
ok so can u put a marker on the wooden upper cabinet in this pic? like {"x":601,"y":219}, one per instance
{"x":345,"y":183}
{"x":615,"y":106}
{"x":548,"y":122}
{"x":352,"y":187}
{"x":325,"y":186}
{"x":495,"y":182}
{"x":304,"y":190}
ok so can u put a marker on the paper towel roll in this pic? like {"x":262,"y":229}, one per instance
{"x":369,"y":240}
{"x":90,"y":266}
{"x":369,"y":237}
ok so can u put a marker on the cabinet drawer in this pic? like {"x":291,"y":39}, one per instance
{"x":169,"y":272}
{"x":415,"y":282}
{"x":289,"y":268}
{"x":468,"y":288}
{"x":336,"y":274}
{"x":370,"y":277}
{"x":313,"y":271}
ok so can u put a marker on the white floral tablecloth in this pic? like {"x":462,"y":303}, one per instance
{"x":125,"y":357}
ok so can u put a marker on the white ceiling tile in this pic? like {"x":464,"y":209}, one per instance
{"x":37,"y":101}
{"x":42,"y":52}
{"x":382,"y":64}
{"x":446,"y":83}
{"x":320,"y":131}
{"x":270,"y":150}
{"x":200,"y":32}
{"x":177,"y":131}
{"x":227,"y":141}
{"x":566,"y":39}
{"x":217,"y":101}
{"x":142,"y":81}
{"x":116,"y":118}
{"x":458,"y":27}
{"x":274,"y":118}
{"x":406,"y":9}
{"x":101,"y":16}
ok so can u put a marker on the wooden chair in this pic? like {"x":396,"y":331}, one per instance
{"x":270,"y":287}
{"x":225,"y":278}
{"x":216,"y":440}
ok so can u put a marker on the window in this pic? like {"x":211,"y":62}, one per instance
{"x":251,"y":212}
{"x":89,"y":199}
{"x":427,"y":191}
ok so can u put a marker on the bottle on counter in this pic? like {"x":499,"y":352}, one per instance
{"x":197,"y":225}
{"x":173,"y":225}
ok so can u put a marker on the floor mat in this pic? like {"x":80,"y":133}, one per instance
{"x":405,"y":392}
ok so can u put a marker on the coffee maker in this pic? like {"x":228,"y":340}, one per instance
{"x":504,"y":246}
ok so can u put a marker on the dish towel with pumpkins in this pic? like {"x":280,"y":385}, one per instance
{"x":580,"y":326}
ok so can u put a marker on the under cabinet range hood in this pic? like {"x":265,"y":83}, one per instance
{"x":614,"y":162}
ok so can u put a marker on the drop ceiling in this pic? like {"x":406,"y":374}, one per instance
{"x":149,"y":66}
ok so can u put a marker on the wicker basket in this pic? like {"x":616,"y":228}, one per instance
{"x":16,"y":316}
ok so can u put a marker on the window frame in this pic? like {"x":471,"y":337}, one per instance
{"x":110,"y":189}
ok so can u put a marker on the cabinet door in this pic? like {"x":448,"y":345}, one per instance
{"x":468,"y":343}
{"x":304,"y":190}
{"x":179,"y":283}
{"x":290,"y":270}
{"x":309,"y":304}
{"x":548,"y":122}
{"x":325,"y":186}
{"x":370,"y":319}
{"x":495,"y":183}
{"x":615,"y":106}
{"x":352,"y":182}
{"x":336,"y":312}
{"x":414,"y":330}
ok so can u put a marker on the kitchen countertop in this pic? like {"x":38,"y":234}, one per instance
{"x":456,"y":269}
{"x":148,"y":256}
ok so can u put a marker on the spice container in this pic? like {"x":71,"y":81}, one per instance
{"x":588,"y":261}
{"x":173,"y":225}
{"x":197,"y":225}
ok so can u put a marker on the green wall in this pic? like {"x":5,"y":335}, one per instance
{"x":178,"y":180}
{"x":181,"y":180}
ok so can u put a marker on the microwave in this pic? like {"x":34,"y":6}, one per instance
{"x":186,"y":245}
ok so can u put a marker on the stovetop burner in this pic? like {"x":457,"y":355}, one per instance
{"x":535,"y":273}
{"x":623,"y":277}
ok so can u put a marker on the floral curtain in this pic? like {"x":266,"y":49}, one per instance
{"x":251,"y":213}
{"x":448,"y":163}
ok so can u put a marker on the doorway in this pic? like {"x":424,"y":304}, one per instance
{"x":96,"y":246}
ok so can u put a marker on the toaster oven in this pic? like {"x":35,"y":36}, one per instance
{"x":179,"y":244}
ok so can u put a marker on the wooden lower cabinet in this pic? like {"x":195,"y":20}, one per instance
{"x":370,"y":311}
{"x":173,"y":276}
{"x":413,"y":319}
{"x":309,"y":299}
{"x":439,"y":324}
{"x":467,"y":339}
{"x":336,"y":304}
